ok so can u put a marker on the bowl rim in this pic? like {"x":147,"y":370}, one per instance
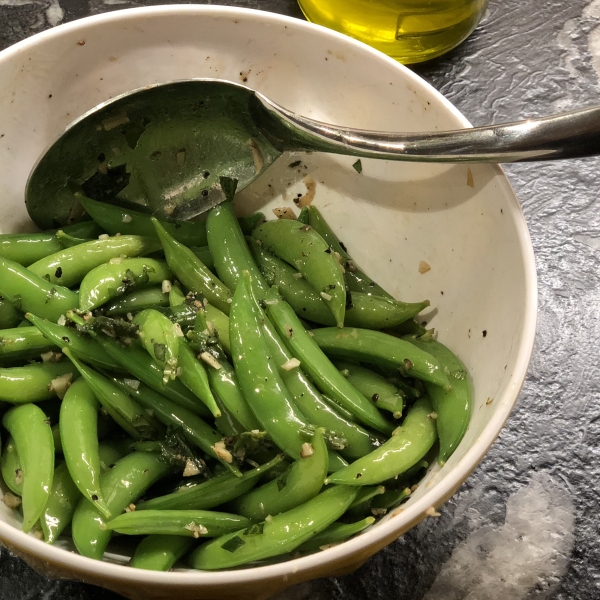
{"x":384,"y":531}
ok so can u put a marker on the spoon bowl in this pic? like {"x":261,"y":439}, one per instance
{"x":166,"y":148}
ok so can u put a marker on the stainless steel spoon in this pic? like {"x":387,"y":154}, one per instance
{"x":166,"y":148}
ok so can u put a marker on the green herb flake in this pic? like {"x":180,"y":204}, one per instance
{"x":233,"y":544}
{"x":160,"y":351}
{"x":255,"y":529}
{"x":358,"y":166}
{"x":228,"y":185}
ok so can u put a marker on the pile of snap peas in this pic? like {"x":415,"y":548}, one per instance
{"x":227,"y":392}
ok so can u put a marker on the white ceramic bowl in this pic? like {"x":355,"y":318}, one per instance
{"x":465,"y":222}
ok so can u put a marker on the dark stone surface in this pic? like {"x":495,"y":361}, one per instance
{"x":527,"y":58}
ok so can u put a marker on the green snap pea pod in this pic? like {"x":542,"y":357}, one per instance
{"x":192,"y":426}
{"x":78,"y":424}
{"x":35,"y":382}
{"x":68,"y":241}
{"x":128,"y":413}
{"x":138,"y":362}
{"x":379,"y":348}
{"x":390,"y":499}
{"x":122,"y":485}
{"x":384,"y":394}
{"x":160,"y":552}
{"x":23,"y":343}
{"x":249,"y":224}
{"x":203,"y":253}
{"x":188,"y":523}
{"x":61,"y":504}
{"x":356,"y":280}
{"x":302,"y":247}
{"x":184,"y":315}
{"x":30,"y":293}
{"x":195,"y":378}
{"x":192,"y":272}
{"x":68,"y":267}
{"x":9,"y":315}
{"x":211,"y":493}
{"x":84,"y":346}
{"x":410,"y":327}
{"x":152,"y":297}
{"x":303,"y":217}
{"x":339,"y":409}
{"x":115,"y":279}
{"x":335,"y":534}
{"x":160,"y":337}
{"x":228,"y":246}
{"x":111,"y":451}
{"x":29,"y":427}
{"x":301,"y":482}
{"x":362,"y":310}
{"x":408,"y":445}
{"x":453,"y":407}
{"x":319,"y":368}
{"x":259,"y":379}
{"x":12,"y":472}
{"x":220,"y":322}
{"x":280,"y":535}
{"x":115,"y":219}
{"x":84,"y":229}
{"x":176,"y":296}
{"x":312,"y":405}
{"x":362,"y":503}
{"x":26,"y":248}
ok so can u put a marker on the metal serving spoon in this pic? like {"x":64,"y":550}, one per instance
{"x":166,"y":148}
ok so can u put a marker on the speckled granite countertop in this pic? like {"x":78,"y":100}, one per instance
{"x":525,"y":524}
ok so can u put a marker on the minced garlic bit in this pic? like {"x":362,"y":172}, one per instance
{"x":424,"y":267}
{"x":197,"y":530}
{"x":191,"y":468}
{"x":325,"y":296}
{"x":116,"y":261}
{"x":209,"y":359}
{"x":290,"y":364}
{"x":284,"y":212}
{"x":169,"y":208}
{"x":432,"y":415}
{"x":177,"y":329}
{"x":51,"y":356}
{"x":126,"y":218}
{"x":166,"y":286}
{"x":61,"y":384}
{"x":62,"y":321}
{"x":306,"y":450}
{"x":134,"y":384}
{"x":311,"y":190}
{"x":298,"y":276}
{"x":11,"y":500}
{"x":378,"y":512}
{"x":222,"y":452}
{"x":103,"y":236}
{"x":431,"y":512}
{"x":130,"y":508}
{"x":257,"y":157}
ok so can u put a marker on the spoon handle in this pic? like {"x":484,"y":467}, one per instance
{"x":573,"y":134}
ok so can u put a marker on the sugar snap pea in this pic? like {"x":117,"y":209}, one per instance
{"x":110,"y":280}
{"x":9,"y":315}
{"x":301,"y":482}
{"x":67,"y":337}
{"x":383,"y":393}
{"x":78,"y":424}
{"x":23,"y":343}
{"x":30,"y":429}
{"x":122,"y":485}
{"x":362,"y":310}
{"x":453,"y":407}
{"x":319,"y":367}
{"x":302,"y":247}
{"x":120,"y":406}
{"x":382,"y":349}
{"x":68,"y":267}
{"x":408,"y":445}
{"x":192,"y":272}
{"x":176,"y":296}
{"x":36,"y":382}
{"x":335,"y":534}
{"x":69,"y":241}
{"x":195,"y":378}
{"x":61,"y":504}
{"x":111,"y":451}
{"x":151,"y":297}
{"x":160,"y":552}
{"x":259,"y":379}
{"x":84,"y":229}
{"x":26,"y":248}
{"x":30,"y":293}
{"x":115,"y":219}
{"x":279,"y":535}
{"x":188,"y":523}
{"x":12,"y":472}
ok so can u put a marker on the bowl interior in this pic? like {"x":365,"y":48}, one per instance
{"x":397,"y":219}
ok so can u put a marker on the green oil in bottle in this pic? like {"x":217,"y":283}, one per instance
{"x":410,"y":31}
